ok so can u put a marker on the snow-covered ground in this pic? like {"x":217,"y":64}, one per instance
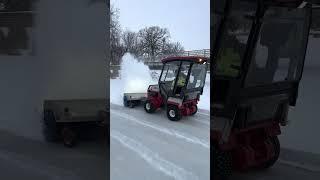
{"x":149,"y":146}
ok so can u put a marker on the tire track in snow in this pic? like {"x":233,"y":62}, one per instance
{"x":204,"y":114}
{"x":171,"y":132}
{"x":153,"y":158}
{"x":31,"y":165}
{"x":201,"y":121}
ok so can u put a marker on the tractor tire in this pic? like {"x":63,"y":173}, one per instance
{"x":195,"y":110}
{"x":173,"y":113}
{"x":222,"y":164}
{"x":49,"y":126}
{"x":68,"y":136}
{"x":149,"y":107}
{"x":276,"y":146}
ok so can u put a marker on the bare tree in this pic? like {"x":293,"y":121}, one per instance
{"x":152,"y":40}
{"x":116,"y":49}
{"x":130,"y":41}
{"x":174,"y":48}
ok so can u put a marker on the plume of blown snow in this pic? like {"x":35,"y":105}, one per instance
{"x":135,"y":77}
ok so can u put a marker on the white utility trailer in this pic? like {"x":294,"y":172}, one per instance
{"x":59,"y":79}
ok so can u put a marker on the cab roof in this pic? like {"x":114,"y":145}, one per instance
{"x":196,"y":59}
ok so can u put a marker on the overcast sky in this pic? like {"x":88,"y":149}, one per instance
{"x":187,"y":20}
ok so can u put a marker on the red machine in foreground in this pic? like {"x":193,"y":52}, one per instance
{"x":258,"y":57}
{"x":180,"y":85}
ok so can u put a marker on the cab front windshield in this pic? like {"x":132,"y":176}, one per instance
{"x":175,"y":73}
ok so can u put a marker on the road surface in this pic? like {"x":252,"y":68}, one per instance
{"x":293,"y":165}
{"x":149,"y":146}
{"x":23,"y":158}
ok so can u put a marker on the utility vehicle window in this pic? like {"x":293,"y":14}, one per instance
{"x":234,"y":40}
{"x":216,"y":23}
{"x":182,"y":77}
{"x":183,"y":74}
{"x":197,"y":76}
{"x":164,"y":73}
{"x":170,"y":75}
{"x":218,"y":10}
{"x":279,"y":49}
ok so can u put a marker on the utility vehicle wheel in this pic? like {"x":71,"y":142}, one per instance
{"x":222,"y":164}
{"x":149,"y":107}
{"x":68,"y":136}
{"x":49,"y":126}
{"x":195,"y":110}
{"x":173,"y":113}
{"x":276,"y":147}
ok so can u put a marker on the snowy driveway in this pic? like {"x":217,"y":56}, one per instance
{"x":149,"y":146}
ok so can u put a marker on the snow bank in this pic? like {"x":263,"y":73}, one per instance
{"x":204,"y":102}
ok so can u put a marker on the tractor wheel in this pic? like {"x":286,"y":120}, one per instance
{"x":276,"y":146}
{"x":149,"y":107}
{"x":222,"y":164}
{"x":49,"y":126}
{"x":68,"y":136}
{"x":173,"y":113}
{"x":195,"y":110}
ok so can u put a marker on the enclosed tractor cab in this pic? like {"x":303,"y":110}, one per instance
{"x":179,"y":87}
{"x":258,"y":57}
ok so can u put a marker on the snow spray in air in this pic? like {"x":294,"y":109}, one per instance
{"x":135,"y":77}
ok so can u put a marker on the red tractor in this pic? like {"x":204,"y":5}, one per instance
{"x":179,"y":87}
{"x":258,"y":57}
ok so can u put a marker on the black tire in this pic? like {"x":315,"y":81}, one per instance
{"x":276,"y":146}
{"x":195,"y":111}
{"x":149,"y":107}
{"x":173,"y":113}
{"x":49,"y":126}
{"x":68,"y":137}
{"x":222,"y":164}
{"x":125,"y":101}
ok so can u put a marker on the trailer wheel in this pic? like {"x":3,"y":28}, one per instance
{"x":68,"y":136}
{"x":276,"y":146}
{"x":149,"y":107}
{"x":196,"y":107}
{"x":49,"y":126}
{"x":222,"y":164}
{"x":125,"y":101}
{"x":173,"y":113}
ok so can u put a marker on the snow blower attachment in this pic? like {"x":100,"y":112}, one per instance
{"x":259,"y":52}
{"x":69,"y":120}
{"x":179,"y":87}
